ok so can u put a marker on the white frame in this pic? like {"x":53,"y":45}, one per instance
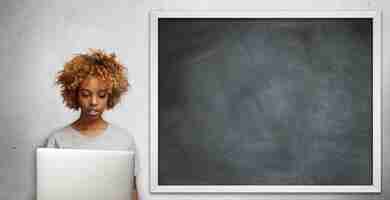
{"x":375,"y":15}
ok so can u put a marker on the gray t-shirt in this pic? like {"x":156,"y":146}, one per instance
{"x":113,"y":138}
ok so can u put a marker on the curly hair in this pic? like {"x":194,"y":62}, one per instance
{"x":94,"y":63}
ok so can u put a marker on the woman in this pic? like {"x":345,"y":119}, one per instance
{"x":93,"y":83}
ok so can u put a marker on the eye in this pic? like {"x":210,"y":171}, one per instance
{"x":84,"y":94}
{"x":102,"y":95}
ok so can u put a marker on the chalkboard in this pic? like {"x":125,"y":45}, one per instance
{"x":265,"y":101}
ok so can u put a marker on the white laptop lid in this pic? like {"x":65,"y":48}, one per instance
{"x":64,"y":174}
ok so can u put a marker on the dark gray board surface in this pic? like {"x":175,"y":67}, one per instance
{"x":265,"y":101}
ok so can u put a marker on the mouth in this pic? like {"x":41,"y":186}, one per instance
{"x":92,"y":112}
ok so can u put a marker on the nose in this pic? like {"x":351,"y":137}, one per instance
{"x":94,"y":100}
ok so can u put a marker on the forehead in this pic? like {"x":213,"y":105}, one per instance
{"x":93,"y":84}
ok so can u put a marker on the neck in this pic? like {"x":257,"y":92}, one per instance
{"x":90,"y":126}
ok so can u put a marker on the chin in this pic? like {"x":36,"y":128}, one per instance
{"x":95,"y":116}
{"x":92,"y":117}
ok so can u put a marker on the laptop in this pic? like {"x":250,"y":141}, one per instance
{"x":64,"y":174}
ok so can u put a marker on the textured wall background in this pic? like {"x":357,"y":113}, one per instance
{"x":36,"y":37}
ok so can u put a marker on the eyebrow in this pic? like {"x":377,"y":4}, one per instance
{"x":86,"y":90}
{"x":104,"y":90}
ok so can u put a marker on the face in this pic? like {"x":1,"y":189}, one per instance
{"x":93,"y":98}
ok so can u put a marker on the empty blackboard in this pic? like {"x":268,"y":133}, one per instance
{"x":265,"y":101}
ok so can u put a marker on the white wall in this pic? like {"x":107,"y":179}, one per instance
{"x":36,"y":37}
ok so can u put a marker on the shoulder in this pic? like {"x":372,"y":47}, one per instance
{"x":115,"y":129}
{"x":60,"y":132}
{"x":121,"y":133}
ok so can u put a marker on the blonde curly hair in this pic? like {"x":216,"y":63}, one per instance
{"x":95,"y":63}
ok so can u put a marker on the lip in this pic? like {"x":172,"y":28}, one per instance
{"x":93,"y":112}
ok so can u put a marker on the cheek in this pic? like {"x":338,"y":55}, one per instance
{"x":83,"y":104}
{"x":103,"y":102}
